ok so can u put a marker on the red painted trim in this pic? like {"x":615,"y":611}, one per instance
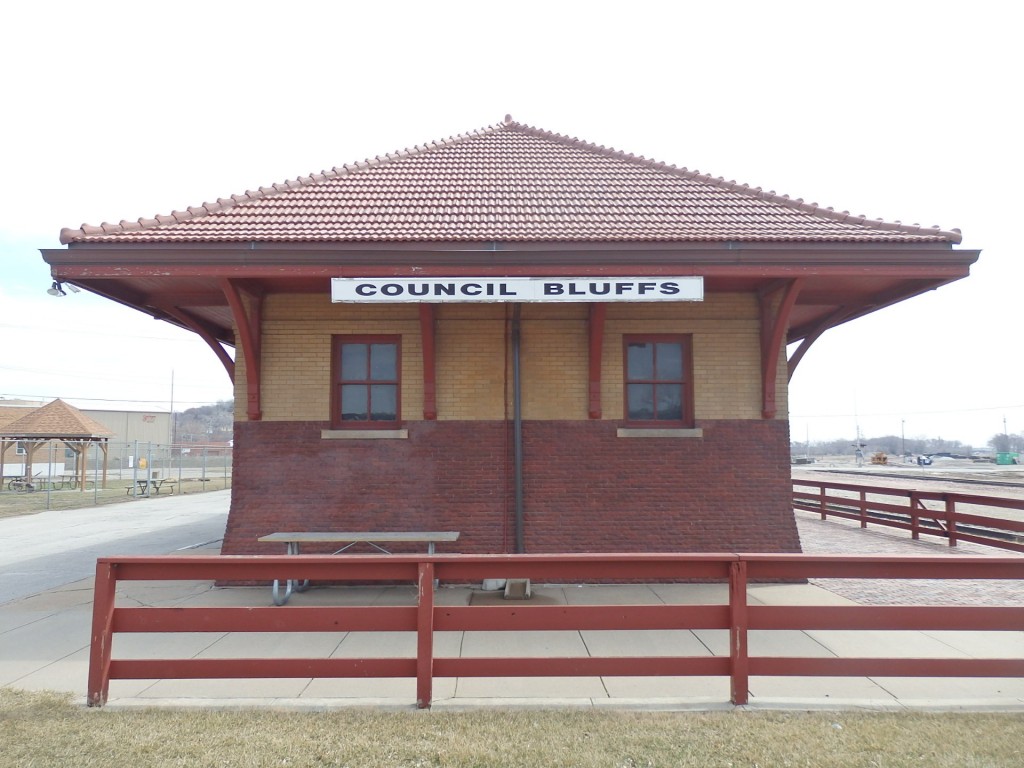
{"x":737,"y":617}
{"x":874,"y":617}
{"x":268,"y":619}
{"x":337,"y":340}
{"x":832,"y":320}
{"x":773,"y":335}
{"x":580,"y":617}
{"x":739,"y":678}
{"x":198,"y":328}
{"x":598,"y":313}
{"x":427,"y":340}
{"x":248,"y":326}
{"x":876,"y":667}
{"x":102,"y":633}
{"x":582,"y":666}
{"x":425,"y":636}
{"x":273,"y":271}
{"x":686,"y":340}
{"x":832,"y":499}
{"x":205,"y":669}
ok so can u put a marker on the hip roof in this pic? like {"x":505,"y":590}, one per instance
{"x":508,"y":182}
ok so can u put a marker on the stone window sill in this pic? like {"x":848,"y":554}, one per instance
{"x":655,"y":432}
{"x":364,"y":434}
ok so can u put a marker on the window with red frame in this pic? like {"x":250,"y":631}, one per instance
{"x":366,"y":381}
{"x":658,"y":380}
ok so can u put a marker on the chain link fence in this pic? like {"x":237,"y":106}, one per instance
{"x":67,"y":475}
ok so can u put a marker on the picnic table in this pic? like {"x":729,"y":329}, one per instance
{"x":376,"y":539}
{"x":151,"y":484}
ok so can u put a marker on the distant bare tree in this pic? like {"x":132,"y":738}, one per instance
{"x":1002,"y":442}
{"x":205,"y":424}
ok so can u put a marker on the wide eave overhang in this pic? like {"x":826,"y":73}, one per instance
{"x":184,"y":283}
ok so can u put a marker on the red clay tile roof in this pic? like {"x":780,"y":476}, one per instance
{"x":507,"y":182}
{"x":56,"y":420}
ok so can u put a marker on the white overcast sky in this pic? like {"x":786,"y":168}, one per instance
{"x":904,"y":111}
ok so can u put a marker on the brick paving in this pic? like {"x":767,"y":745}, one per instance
{"x":838,"y":537}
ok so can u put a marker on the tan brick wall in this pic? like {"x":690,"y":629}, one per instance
{"x":470,"y":343}
{"x":472,"y":364}
{"x":726,"y":353}
{"x":555,"y":361}
{"x":296,"y":357}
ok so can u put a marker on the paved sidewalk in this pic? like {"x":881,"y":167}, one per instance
{"x":53,"y":548}
{"x":44,"y":642}
{"x":845,"y":537}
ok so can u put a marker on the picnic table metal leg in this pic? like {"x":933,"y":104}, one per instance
{"x":296,"y":586}
{"x":290,"y":585}
{"x":276,"y":592}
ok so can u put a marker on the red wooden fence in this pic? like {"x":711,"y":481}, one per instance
{"x":424,"y":618}
{"x":909,"y":510}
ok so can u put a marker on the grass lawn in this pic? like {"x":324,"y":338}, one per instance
{"x":39,"y":729}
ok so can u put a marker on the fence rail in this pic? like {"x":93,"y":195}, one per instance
{"x":909,"y":510}
{"x":425,"y":617}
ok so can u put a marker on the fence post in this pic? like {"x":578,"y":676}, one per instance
{"x":135,"y":469}
{"x":739,"y":660}
{"x":102,"y":633}
{"x":915,"y":520}
{"x":951,"y":519}
{"x":863,"y":509}
{"x":824,"y":507}
{"x":425,"y":637}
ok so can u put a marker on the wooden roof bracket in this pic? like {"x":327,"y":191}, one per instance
{"x":835,"y":318}
{"x":774,"y":324}
{"x":598,"y":312}
{"x":200,"y":329}
{"x":249,"y":323}
{"x":428,"y":339}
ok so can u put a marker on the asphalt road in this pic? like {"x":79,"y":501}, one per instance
{"x":53,"y":548}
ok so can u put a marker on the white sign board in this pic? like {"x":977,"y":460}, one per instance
{"x":390,"y":290}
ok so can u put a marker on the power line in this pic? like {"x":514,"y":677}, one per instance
{"x":793,"y":415}
{"x":12,"y":396}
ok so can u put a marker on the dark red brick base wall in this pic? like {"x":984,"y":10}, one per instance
{"x":585,"y":489}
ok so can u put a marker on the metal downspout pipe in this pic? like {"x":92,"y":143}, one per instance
{"x":517,"y":432}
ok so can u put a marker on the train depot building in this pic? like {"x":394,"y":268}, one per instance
{"x":546,"y":345}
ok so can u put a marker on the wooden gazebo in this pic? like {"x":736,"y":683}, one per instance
{"x":61,"y":422}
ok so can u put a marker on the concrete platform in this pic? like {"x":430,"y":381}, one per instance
{"x":44,"y":644}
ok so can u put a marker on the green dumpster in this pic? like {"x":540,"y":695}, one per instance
{"x":1006,"y":458}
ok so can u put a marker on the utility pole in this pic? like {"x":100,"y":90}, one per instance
{"x":170,"y":427}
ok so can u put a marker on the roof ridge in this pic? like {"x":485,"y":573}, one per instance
{"x":954,"y":235}
{"x":69,"y":235}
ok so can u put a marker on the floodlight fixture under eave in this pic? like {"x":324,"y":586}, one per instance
{"x":56,"y":289}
